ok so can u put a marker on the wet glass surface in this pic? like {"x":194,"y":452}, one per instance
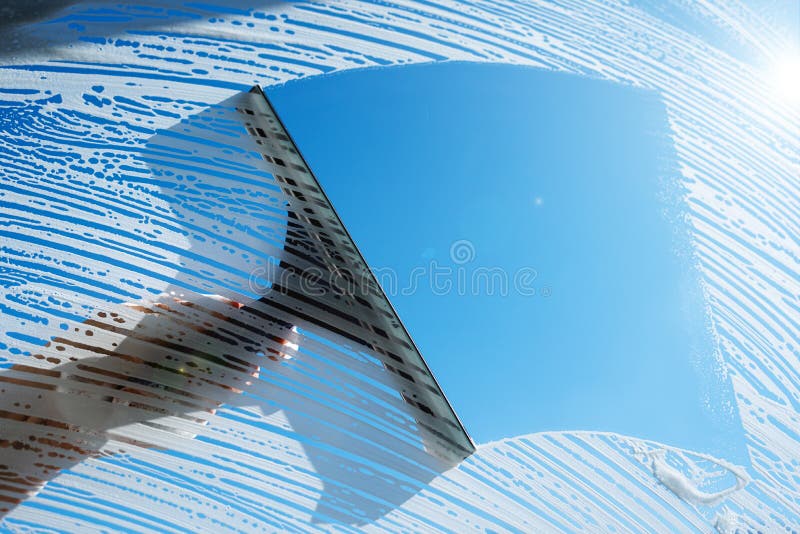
{"x":155,"y":377}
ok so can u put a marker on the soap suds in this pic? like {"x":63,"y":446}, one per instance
{"x":688,"y":490}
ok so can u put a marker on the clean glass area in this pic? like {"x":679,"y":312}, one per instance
{"x":529,"y":228}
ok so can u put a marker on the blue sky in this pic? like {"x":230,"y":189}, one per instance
{"x":570,"y":177}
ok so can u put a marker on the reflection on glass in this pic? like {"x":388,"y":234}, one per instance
{"x":232,"y":331}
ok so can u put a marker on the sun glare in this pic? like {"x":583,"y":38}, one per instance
{"x":784,"y":79}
